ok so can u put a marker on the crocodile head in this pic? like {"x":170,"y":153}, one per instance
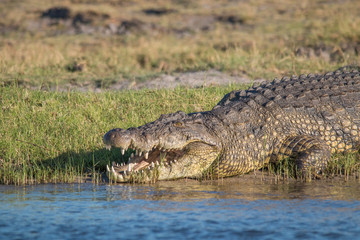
{"x":174,"y":146}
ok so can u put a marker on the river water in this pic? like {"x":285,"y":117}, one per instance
{"x":225,"y":209}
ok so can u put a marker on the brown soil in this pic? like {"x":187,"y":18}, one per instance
{"x":187,"y":79}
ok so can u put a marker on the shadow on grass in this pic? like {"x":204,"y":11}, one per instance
{"x":81,"y":166}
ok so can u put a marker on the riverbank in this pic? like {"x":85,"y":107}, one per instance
{"x":56,"y":137}
{"x":72,"y":70}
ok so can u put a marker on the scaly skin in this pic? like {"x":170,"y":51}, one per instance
{"x":306,"y":118}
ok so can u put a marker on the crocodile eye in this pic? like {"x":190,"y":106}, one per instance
{"x":178,"y":124}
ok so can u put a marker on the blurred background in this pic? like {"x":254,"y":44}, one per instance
{"x":106,"y":42}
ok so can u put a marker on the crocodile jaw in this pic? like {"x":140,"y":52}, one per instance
{"x":175,"y":145}
{"x":165,"y":164}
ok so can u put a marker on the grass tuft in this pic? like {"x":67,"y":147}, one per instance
{"x":345,"y":165}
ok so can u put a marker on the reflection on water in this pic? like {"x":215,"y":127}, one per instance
{"x":232,"y":208}
{"x":238,"y":188}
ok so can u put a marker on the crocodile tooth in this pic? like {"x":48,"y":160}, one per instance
{"x":122,"y":151}
{"x":157,"y":163}
{"x":146,"y":155}
{"x":108,"y":147}
{"x":140,"y":153}
{"x":132,"y":155}
{"x":136,"y":152}
{"x":114,"y":172}
{"x":152,"y":164}
{"x":120,"y":176}
{"x":117,"y":175}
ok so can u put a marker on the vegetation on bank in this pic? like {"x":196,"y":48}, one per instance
{"x":57,"y":136}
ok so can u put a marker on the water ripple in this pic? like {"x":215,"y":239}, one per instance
{"x":181,"y":210}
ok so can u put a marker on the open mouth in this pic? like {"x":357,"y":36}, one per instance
{"x":144,"y":161}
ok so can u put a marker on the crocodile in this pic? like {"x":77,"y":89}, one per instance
{"x":304,"y":118}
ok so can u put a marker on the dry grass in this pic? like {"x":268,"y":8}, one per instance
{"x":260,"y":39}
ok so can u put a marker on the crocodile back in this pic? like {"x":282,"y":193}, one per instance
{"x":335,"y":88}
{"x":325,"y":105}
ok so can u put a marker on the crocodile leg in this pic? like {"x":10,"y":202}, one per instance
{"x":310,"y":153}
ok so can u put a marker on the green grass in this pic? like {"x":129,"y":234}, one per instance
{"x":57,"y":136}
{"x":346,"y":166}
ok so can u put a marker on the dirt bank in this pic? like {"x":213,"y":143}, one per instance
{"x":187,"y":79}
